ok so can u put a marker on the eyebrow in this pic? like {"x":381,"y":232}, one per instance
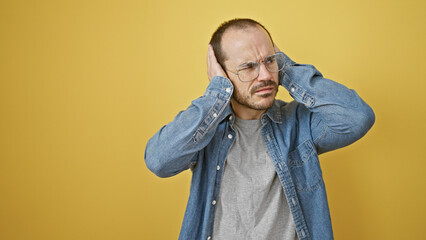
{"x":246,"y":63}
{"x":256,"y":60}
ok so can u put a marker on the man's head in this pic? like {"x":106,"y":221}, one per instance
{"x":237,"y":23}
{"x":235,"y":43}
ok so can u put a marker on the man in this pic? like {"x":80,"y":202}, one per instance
{"x":254,"y":158}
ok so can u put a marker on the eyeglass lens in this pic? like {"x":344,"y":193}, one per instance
{"x":250,"y":71}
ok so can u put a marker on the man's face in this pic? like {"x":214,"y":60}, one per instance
{"x":245,"y":45}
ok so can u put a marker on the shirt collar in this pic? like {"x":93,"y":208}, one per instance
{"x":273,"y":113}
{"x":228,"y":111}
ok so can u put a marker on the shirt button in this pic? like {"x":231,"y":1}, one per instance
{"x":230,"y":136}
{"x":293,"y":201}
{"x":230,"y":118}
{"x":292,"y":89}
{"x":228,"y":90}
{"x":218,"y":167}
{"x":214,"y":202}
{"x":214,"y":115}
{"x":209,"y":238}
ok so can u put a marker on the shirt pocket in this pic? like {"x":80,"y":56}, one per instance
{"x":304,"y":167}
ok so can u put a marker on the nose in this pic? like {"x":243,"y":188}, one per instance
{"x":264,"y":74}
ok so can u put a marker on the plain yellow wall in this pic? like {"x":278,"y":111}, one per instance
{"x":84,"y":84}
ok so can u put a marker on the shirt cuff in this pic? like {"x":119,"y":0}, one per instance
{"x":220,"y":87}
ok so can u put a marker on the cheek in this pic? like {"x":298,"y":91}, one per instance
{"x":240,"y":87}
{"x":241,"y":91}
{"x":276,"y":78}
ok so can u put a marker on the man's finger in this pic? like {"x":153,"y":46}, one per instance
{"x":211,"y":57}
{"x":213,"y":67}
{"x":276,"y":48}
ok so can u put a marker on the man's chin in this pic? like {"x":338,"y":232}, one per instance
{"x":257,"y":101}
{"x":264,"y":103}
{"x":266,"y":95}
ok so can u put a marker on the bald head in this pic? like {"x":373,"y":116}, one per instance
{"x":237,"y":24}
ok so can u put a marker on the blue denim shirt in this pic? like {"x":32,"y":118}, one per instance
{"x":324,"y":116}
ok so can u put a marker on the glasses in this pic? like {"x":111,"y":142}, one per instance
{"x":249,"y":71}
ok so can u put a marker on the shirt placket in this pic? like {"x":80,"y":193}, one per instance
{"x":228,"y":140}
{"x":286,"y":181}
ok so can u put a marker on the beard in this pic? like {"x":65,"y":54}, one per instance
{"x":248,"y":101}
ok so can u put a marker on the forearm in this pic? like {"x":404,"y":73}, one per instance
{"x":175,"y":146}
{"x":339,"y":115}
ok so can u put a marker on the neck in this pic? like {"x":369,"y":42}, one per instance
{"x":245,"y":112}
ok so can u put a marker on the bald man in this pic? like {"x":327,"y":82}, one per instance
{"x":254,"y":158}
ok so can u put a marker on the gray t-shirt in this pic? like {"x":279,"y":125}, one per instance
{"x":252,"y":204}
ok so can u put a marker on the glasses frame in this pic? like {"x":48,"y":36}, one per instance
{"x":258,"y":67}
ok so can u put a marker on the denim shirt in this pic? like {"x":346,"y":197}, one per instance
{"x":324,"y":116}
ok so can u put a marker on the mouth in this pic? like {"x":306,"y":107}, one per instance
{"x":265,"y":90}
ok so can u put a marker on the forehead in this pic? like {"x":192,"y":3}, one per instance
{"x":243,"y":45}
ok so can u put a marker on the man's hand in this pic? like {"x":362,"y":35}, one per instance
{"x":276,"y":48}
{"x":213,"y":67}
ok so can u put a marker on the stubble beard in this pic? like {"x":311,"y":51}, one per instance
{"x":247,"y":100}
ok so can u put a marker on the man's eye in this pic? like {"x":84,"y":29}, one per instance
{"x":270,"y":59}
{"x":248,"y":66}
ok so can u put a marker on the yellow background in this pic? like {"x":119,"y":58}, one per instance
{"x":84,"y":84}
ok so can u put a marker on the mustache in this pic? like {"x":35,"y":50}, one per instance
{"x":264,"y":84}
